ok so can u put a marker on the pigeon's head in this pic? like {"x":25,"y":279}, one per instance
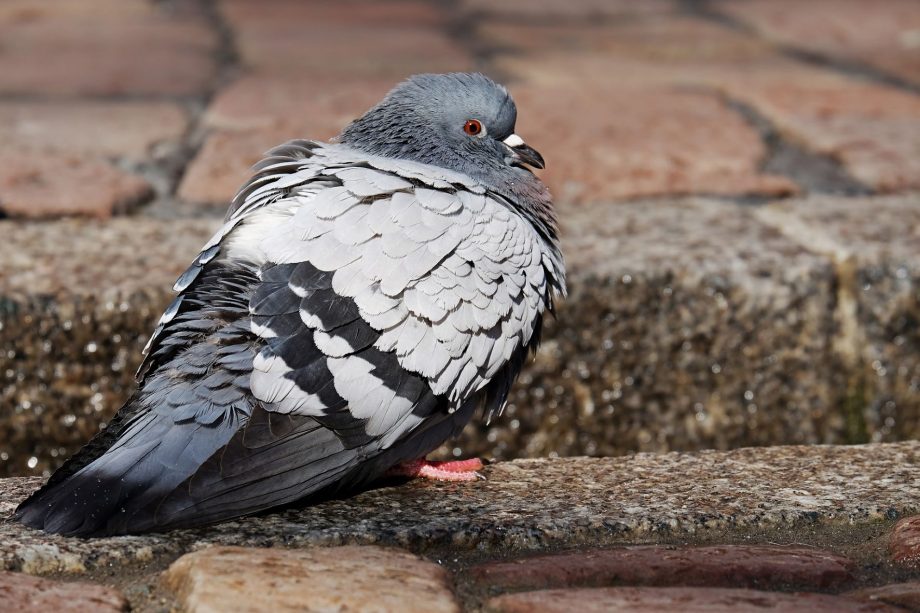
{"x":463,"y":122}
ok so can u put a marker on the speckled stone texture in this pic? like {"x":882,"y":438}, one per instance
{"x":689,"y":325}
{"x":874,"y":243}
{"x":529,"y":505}
{"x":72,"y":328}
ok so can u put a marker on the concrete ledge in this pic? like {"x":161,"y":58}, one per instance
{"x":78,"y":300}
{"x":534,"y":505}
{"x":692,"y":323}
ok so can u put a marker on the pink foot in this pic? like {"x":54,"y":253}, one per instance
{"x":458,"y":470}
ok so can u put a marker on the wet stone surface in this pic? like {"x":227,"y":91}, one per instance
{"x":687,"y":599}
{"x":532,"y":505}
{"x":726,"y":566}
{"x":904,"y":544}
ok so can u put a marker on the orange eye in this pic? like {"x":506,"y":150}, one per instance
{"x":472,"y":127}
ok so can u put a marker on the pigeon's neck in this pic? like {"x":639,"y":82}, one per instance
{"x":379,"y":133}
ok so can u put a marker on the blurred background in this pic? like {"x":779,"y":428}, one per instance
{"x":737,"y":182}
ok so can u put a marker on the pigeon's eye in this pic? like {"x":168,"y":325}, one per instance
{"x":473,"y":127}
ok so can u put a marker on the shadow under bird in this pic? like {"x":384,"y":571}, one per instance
{"x":361,"y":301}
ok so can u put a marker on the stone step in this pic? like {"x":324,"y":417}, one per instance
{"x":551,"y":504}
{"x":774,"y":521}
{"x":691,"y":323}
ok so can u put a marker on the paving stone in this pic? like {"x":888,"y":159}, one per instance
{"x":545,"y":504}
{"x":356,"y":51}
{"x":26,"y":594}
{"x":314,"y":106}
{"x":904,"y":544}
{"x":763,"y":566}
{"x":873,"y":130}
{"x":268,"y":14}
{"x":683,"y":599}
{"x":688,"y":325}
{"x":98,"y":128}
{"x":874,"y":242}
{"x":257,"y":113}
{"x":886,"y":38}
{"x":72,"y":328}
{"x":577,"y":9}
{"x":318,"y":579}
{"x":354,"y":39}
{"x":39,"y":185}
{"x":16,"y":12}
{"x":659,"y":141}
{"x":54,"y":51}
{"x":870,"y":128}
{"x":224,"y":162}
{"x":906,"y":595}
{"x":667,"y":50}
{"x":662,"y":41}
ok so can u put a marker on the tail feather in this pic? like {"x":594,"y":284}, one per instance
{"x":158,"y":477}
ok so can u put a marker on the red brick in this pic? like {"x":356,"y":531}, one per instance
{"x":872,"y":129}
{"x":315,"y":107}
{"x":680,"y":599}
{"x":225,"y":162}
{"x":713,"y":566}
{"x":665,"y":41}
{"x":126,"y":128}
{"x":905,"y":595}
{"x":350,"y":50}
{"x":625,"y":142}
{"x":882,"y":35}
{"x":257,"y":113}
{"x":26,"y":594}
{"x":246,"y":15}
{"x":904,"y":543}
{"x":43,"y":185}
{"x":94,"y":51}
{"x":17,"y":12}
{"x":364,"y":38}
{"x":569,"y":8}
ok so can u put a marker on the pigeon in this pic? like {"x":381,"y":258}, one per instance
{"x":363,"y":300}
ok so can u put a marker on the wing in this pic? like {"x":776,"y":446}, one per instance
{"x":193,"y":400}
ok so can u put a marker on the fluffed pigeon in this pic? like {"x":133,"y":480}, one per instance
{"x":362,"y":299}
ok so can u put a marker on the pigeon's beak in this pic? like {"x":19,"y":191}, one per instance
{"x":522,"y":153}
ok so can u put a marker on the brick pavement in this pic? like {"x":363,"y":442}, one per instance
{"x":209,"y":85}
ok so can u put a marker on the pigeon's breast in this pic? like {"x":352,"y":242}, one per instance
{"x":451,"y":279}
